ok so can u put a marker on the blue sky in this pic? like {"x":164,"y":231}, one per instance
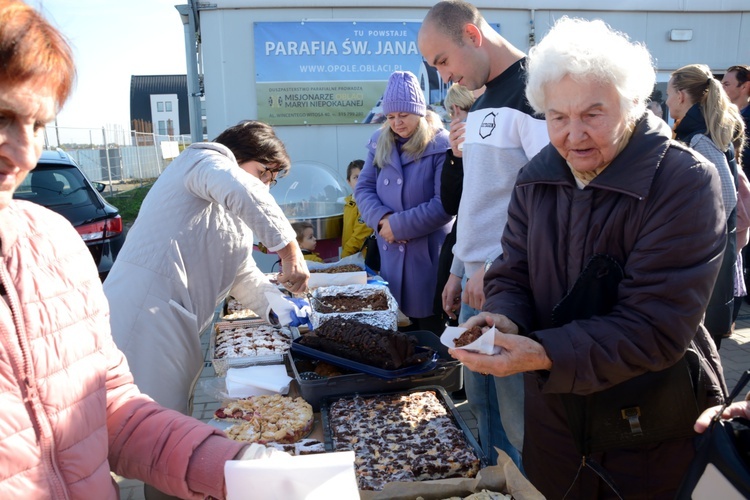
{"x":112,"y":40}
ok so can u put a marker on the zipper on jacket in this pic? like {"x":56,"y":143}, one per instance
{"x":31,"y":395}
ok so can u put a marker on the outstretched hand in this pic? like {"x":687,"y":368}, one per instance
{"x":258,"y":451}
{"x":294,"y":273}
{"x":456,"y":136}
{"x":288,"y":311}
{"x":519,"y":353}
{"x":474,"y":292}
{"x":451,"y":296}
{"x":300,"y":313}
{"x":738,"y":409}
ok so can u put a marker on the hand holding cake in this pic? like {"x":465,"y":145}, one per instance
{"x":517,"y":354}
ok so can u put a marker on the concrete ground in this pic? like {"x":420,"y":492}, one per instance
{"x":734,"y":352}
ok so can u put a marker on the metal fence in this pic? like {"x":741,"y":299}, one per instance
{"x":113,"y":155}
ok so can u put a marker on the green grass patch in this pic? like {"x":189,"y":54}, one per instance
{"x":129,"y":202}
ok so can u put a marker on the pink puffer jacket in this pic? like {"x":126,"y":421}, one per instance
{"x":69,"y":405}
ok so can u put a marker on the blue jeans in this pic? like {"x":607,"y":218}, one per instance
{"x":497,"y":404}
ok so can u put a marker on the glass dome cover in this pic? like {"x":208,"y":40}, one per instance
{"x":311,"y":190}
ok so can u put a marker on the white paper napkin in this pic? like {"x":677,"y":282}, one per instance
{"x":257,"y":380}
{"x":311,"y":477}
{"x":483,"y":345}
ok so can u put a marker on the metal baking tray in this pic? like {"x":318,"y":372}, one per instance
{"x":221,"y":365}
{"x":442,"y":396}
{"x":363,"y":368}
{"x":314,"y":388}
{"x":387,"y":319}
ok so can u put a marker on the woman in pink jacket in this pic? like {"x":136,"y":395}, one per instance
{"x":70,"y":410}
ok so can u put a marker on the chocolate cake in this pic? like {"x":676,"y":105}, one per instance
{"x":346,"y":268}
{"x":327,"y":370}
{"x":468,"y":336}
{"x":346,"y":303}
{"x":367,"y":344}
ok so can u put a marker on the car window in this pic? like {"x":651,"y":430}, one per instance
{"x":55,"y":186}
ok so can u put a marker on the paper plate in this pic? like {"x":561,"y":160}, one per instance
{"x":483,"y":345}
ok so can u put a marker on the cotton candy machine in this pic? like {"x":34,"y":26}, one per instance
{"x":315,"y":193}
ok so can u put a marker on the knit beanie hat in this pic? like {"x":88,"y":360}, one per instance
{"x":403,"y":95}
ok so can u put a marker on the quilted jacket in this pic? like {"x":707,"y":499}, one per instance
{"x":657,"y":210}
{"x":70,"y":410}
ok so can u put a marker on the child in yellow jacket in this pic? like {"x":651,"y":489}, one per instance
{"x":307,"y":241}
{"x":355,"y":230}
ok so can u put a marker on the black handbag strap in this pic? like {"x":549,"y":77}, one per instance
{"x":741,"y":383}
{"x":744,"y":379}
{"x":599,"y":471}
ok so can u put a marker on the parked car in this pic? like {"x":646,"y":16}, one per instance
{"x":59,"y":184}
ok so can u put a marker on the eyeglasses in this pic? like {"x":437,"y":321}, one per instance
{"x":278,"y":173}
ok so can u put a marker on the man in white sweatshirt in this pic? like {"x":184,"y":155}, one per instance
{"x":499,"y":137}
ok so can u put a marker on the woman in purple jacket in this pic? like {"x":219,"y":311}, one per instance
{"x":398,"y":193}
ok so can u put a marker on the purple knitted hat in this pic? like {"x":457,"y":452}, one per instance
{"x":403,"y":95}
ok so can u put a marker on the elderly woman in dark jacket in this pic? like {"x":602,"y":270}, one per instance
{"x":614,"y":239}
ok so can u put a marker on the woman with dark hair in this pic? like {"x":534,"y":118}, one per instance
{"x":190,"y":246}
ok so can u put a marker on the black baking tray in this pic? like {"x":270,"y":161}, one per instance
{"x":442,"y":396}
{"x":448,"y":373}
{"x":363,"y":368}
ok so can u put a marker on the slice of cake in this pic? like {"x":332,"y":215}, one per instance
{"x":468,"y":336}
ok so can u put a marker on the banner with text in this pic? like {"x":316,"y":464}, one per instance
{"x":329,"y":72}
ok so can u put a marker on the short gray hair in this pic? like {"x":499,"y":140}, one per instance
{"x":586,"y":49}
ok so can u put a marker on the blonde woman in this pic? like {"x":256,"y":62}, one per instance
{"x":458,"y":101}
{"x":708,"y":122}
{"x":398,"y":194}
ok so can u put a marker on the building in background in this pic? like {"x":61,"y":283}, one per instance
{"x":159,"y":105}
{"x":316,"y":70}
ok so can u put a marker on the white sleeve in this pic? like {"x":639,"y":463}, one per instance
{"x":250,"y":286}
{"x":219,"y":179}
{"x":533,"y":134}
